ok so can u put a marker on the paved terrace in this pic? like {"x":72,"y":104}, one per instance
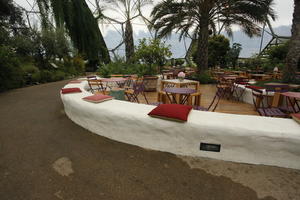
{"x":44,"y":155}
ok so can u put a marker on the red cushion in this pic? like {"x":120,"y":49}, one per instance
{"x":254,"y":87}
{"x":175,"y":112}
{"x":242,"y":83}
{"x":70,"y":90}
{"x":97,"y":98}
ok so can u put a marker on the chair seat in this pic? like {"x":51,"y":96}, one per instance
{"x":201,"y":108}
{"x":271,"y":112}
{"x":129,"y":91}
{"x":156,"y":103}
{"x":196,"y":94}
{"x":288,"y":109}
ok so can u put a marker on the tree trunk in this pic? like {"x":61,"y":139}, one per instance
{"x":202,"y":48}
{"x":129,"y":44}
{"x":293,"y":55}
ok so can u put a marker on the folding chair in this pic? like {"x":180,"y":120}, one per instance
{"x":214,"y":103}
{"x":133,"y":93}
{"x":262,"y":108}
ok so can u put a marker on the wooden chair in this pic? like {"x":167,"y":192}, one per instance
{"x":138,"y":88}
{"x":263,"y":109}
{"x":96,"y":86}
{"x":280,"y":88}
{"x":214,"y":103}
{"x":238,"y":92}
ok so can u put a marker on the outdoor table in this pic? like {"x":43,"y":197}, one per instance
{"x":179,"y":95}
{"x":258,"y":76}
{"x":219,"y":72}
{"x":231,"y":77}
{"x":179,"y":84}
{"x":293,"y":98}
{"x":276,"y":97}
{"x":167,"y":75}
{"x":119,"y":81}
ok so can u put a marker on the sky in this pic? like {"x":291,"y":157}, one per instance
{"x":283,"y":8}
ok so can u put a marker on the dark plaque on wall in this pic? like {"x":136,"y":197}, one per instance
{"x":210,"y":147}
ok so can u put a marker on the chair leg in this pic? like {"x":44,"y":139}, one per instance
{"x":136,"y":98}
{"x":145,"y":97}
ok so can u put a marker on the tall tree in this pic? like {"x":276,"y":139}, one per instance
{"x":293,"y":56}
{"x":128,"y":10}
{"x":200,"y":18}
{"x":81,"y":25}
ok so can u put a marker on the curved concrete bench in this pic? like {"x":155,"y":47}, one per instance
{"x":243,"y":138}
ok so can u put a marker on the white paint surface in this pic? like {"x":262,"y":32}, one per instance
{"x":243,"y":138}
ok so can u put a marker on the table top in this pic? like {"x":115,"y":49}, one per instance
{"x":177,"y":81}
{"x":259,"y":75}
{"x":237,"y":71}
{"x":277,"y":84}
{"x":113,"y":79}
{"x":219,"y":72}
{"x":230,"y":77}
{"x":180,"y":90}
{"x":292,"y":94}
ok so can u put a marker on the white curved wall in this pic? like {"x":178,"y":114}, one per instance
{"x":243,"y":138}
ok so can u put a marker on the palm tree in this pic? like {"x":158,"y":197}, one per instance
{"x":199,"y":18}
{"x":293,"y":56}
{"x":129,"y":10}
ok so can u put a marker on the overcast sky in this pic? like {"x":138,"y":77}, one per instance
{"x":284,"y":9}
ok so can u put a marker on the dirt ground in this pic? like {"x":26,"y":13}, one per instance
{"x":44,"y":155}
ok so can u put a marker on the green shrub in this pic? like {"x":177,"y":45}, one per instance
{"x":79,"y":65}
{"x":58,"y":75}
{"x":11,"y":74}
{"x":32,"y":73}
{"x":120,"y":67}
{"x":46,"y":76}
{"x":152,"y":52}
{"x":36,"y":77}
{"x":203,"y":78}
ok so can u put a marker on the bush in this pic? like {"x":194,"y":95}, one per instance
{"x":11,"y":74}
{"x":120,"y":67}
{"x":46,"y":76}
{"x":58,"y":75}
{"x":203,"y":78}
{"x":32,"y":73}
{"x":152,"y":52}
{"x":79,"y":65}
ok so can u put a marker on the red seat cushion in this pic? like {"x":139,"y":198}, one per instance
{"x":97,"y":98}
{"x":242,"y":83}
{"x":254,"y":87}
{"x":70,"y":90}
{"x":175,"y":112}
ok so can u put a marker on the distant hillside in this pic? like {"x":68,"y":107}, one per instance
{"x":250,"y":45}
